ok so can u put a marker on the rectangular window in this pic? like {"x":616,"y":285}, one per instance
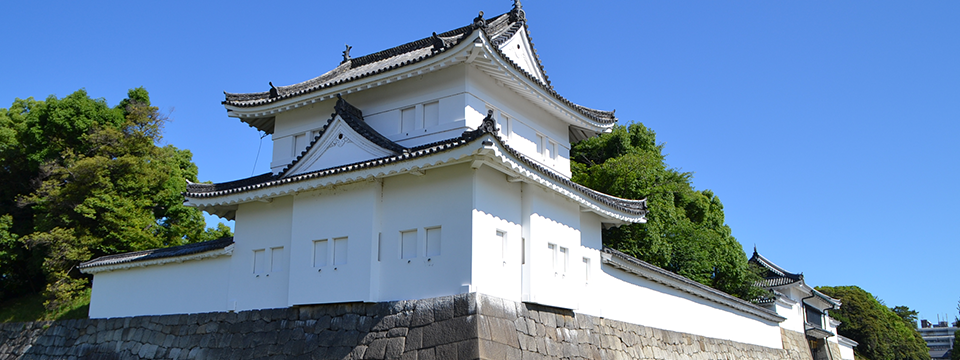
{"x":259,"y":261}
{"x":552,"y":149}
{"x":540,"y":144}
{"x":340,"y":251}
{"x":431,"y":114}
{"x":553,"y":255}
{"x":502,"y":239}
{"x":299,"y":144}
{"x":564,"y":259}
{"x":320,"y":250}
{"x":586,"y":271}
{"x":433,"y":241}
{"x":508,"y":126}
{"x":408,"y":119}
{"x":523,"y":251}
{"x":408,"y":244}
{"x":548,"y":149}
{"x":276,"y":259}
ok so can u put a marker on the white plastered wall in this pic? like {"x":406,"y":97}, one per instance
{"x":555,"y":232}
{"x":341,"y":222}
{"x":437,"y":203}
{"x":192,"y":286}
{"x":261,"y":226}
{"x":524,"y":126}
{"x":497,"y":235}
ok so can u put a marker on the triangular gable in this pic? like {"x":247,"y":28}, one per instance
{"x":519,"y":50}
{"x":345,"y":139}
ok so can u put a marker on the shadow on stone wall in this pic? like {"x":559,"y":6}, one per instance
{"x":460,"y":327}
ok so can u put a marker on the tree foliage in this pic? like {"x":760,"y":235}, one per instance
{"x":908,"y":316}
{"x":83,"y":180}
{"x":881,"y":333}
{"x":685,"y":230}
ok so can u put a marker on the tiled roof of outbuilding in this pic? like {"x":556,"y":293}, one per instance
{"x":635,"y":207}
{"x":773,"y":275}
{"x":498,"y":29}
{"x":154,"y":254}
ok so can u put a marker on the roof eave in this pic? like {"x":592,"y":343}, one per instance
{"x":495,"y":156}
{"x":502,"y":68}
{"x":228,"y":250}
{"x":258,"y":113}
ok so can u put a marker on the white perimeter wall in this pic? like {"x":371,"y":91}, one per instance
{"x":192,"y":286}
{"x":563,"y":267}
{"x":261,"y":226}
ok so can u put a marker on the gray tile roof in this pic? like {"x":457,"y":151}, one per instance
{"x":154,"y":254}
{"x":498,"y":29}
{"x":774,"y":275}
{"x":635,"y":207}
{"x":353,"y":117}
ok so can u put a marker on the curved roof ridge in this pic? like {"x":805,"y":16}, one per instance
{"x":353,"y":117}
{"x":776,"y":275}
{"x":497,"y":29}
{"x":631,"y":206}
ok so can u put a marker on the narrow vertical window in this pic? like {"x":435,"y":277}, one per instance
{"x":407,"y":119}
{"x":502,"y":239}
{"x":433,"y":241}
{"x":540,"y":144}
{"x":523,"y":251}
{"x":340,"y":251}
{"x":379,"y":245}
{"x":276,"y":259}
{"x":553,"y":255}
{"x":259,"y":261}
{"x":564,"y":259}
{"x":320,"y":251}
{"x":586,"y":271}
{"x":408,"y":244}
{"x":431,"y":114}
{"x":548,"y":150}
{"x":552,"y":149}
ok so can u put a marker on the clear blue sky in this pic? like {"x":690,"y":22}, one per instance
{"x":828,"y":128}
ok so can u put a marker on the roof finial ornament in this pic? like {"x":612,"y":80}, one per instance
{"x":489,"y":124}
{"x":438,"y":44}
{"x":346,"y":53}
{"x":478,"y":22}
{"x":517,"y":13}
{"x":273,"y":90}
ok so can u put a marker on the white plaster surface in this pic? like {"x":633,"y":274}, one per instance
{"x":173,"y":288}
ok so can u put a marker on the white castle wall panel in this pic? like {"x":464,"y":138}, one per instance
{"x":261,"y":226}
{"x":497,"y":235}
{"x":345,"y":217}
{"x":193,"y":286}
{"x":440,"y":200}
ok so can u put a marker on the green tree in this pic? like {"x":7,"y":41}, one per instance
{"x":880,"y":332}
{"x":908,"y":316}
{"x":685,"y":230}
{"x":87,"y":180}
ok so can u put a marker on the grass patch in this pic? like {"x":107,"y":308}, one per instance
{"x":30,"y":308}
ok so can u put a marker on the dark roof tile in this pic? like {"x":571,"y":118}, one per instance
{"x":636,"y":207}
{"x":498,"y":29}
{"x":154,"y":254}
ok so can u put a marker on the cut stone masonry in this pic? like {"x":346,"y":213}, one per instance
{"x":460,"y":327}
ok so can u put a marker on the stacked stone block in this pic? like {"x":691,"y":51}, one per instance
{"x":550,"y":333}
{"x":460,"y":327}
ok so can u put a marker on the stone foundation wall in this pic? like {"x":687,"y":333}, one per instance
{"x":460,"y":327}
{"x":797,"y":342}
